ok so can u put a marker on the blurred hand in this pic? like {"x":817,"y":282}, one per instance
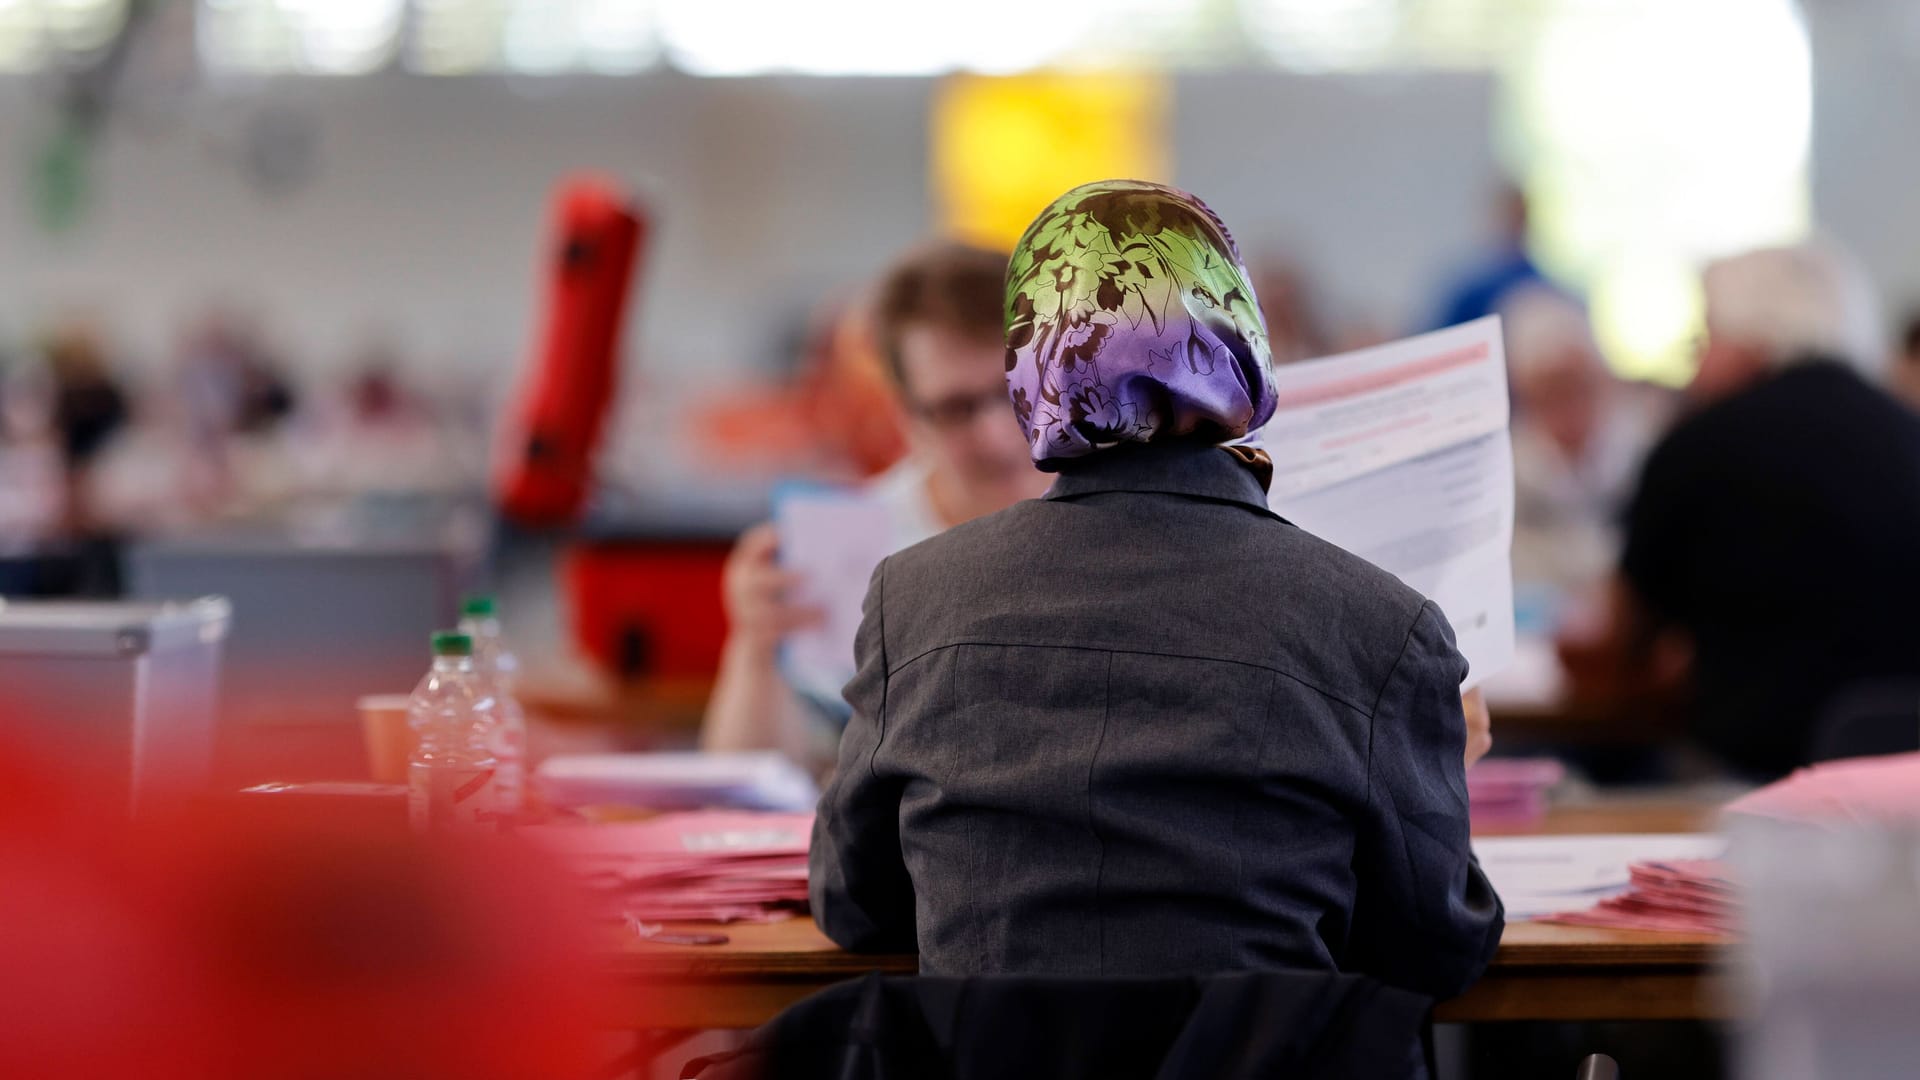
{"x":1479,"y":725}
{"x":756,"y":591}
{"x":1608,"y":670}
{"x":1623,"y":654}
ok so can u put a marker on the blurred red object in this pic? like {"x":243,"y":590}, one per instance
{"x":847,"y":397}
{"x":840,"y":416}
{"x":545,"y":471}
{"x":649,"y":608}
{"x":212,"y":941}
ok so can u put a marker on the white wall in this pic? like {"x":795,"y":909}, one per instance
{"x":1377,"y":183}
{"x":425,"y":213}
{"x":423,"y":217}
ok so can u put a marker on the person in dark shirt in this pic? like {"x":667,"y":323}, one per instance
{"x":89,"y":404}
{"x":1906,"y":368}
{"x":89,"y":408}
{"x":1776,"y":528}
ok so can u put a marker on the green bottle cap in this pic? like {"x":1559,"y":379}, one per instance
{"x":479,"y":607}
{"x":452,"y":643}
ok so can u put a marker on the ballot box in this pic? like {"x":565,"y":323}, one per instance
{"x":127,"y":691}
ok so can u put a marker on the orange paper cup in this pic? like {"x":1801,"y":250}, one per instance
{"x":383,"y":722}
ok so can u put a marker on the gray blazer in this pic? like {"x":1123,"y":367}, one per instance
{"x":1144,"y":726}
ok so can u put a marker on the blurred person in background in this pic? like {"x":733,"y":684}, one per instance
{"x":155,"y":477}
{"x":59,"y":413}
{"x":89,"y":408}
{"x":1295,"y":326}
{"x":1482,"y":287}
{"x":33,"y":477}
{"x":89,"y":404}
{"x":847,"y":395}
{"x":1769,"y":558}
{"x":232,"y":380}
{"x":1906,"y":369}
{"x":1579,"y":436}
{"x":378,"y":433}
{"x":235,"y":399}
{"x":937,"y":318}
{"x":208,"y":443}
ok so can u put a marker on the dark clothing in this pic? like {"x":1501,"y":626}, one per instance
{"x":1781,"y":528}
{"x":1303,"y":1026}
{"x":1146,"y":727}
{"x":87,"y":413}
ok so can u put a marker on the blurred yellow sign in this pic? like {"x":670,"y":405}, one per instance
{"x":1005,"y":146}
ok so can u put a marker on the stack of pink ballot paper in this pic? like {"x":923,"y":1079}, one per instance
{"x":1696,"y":896}
{"x":1510,"y":791}
{"x":1692,"y":896}
{"x":1882,"y":789}
{"x":699,"y":866}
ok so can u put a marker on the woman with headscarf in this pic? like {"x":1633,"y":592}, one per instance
{"x":1144,"y":726}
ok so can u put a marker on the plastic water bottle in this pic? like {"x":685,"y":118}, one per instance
{"x":499,"y":673}
{"x":452,"y":776}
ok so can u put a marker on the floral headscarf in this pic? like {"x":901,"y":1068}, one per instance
{"x":1130,"y":319}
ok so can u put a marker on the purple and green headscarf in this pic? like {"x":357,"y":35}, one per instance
{"x":1131,"y":319}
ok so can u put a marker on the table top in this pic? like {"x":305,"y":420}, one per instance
{"x":796,"y":948}
{"x":1630,"y":815}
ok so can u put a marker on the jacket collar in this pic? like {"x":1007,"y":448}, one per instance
{"x":1195,"y":471}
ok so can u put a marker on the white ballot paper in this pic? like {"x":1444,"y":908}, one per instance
{"x":833,"y":540}
{"x":1399,"y":453}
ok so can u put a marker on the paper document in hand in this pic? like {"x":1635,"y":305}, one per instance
{"x":832,"y":540}
{"x":1400,"y":454}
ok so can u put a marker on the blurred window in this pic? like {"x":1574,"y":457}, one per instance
{"x":1375,"y":35}
{"x":307,"y":37}
{"x":1649,"y":134}
{"x":536,"y":37}
{"x":870,"y":37}
{"x":38,"y":33}
{"x":704,"y":37}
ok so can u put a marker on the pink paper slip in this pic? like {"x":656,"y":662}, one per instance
{"x":1875,"y":789}
{"x":1692,"y":896}
{"x":700,"y":866}
{"x":1511,"y":791}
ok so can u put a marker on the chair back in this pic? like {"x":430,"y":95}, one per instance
{"x":1221,"y":1027}
{"x":1867,"y":719}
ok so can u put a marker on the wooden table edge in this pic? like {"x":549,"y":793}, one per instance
{"x":1637,"y":977}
